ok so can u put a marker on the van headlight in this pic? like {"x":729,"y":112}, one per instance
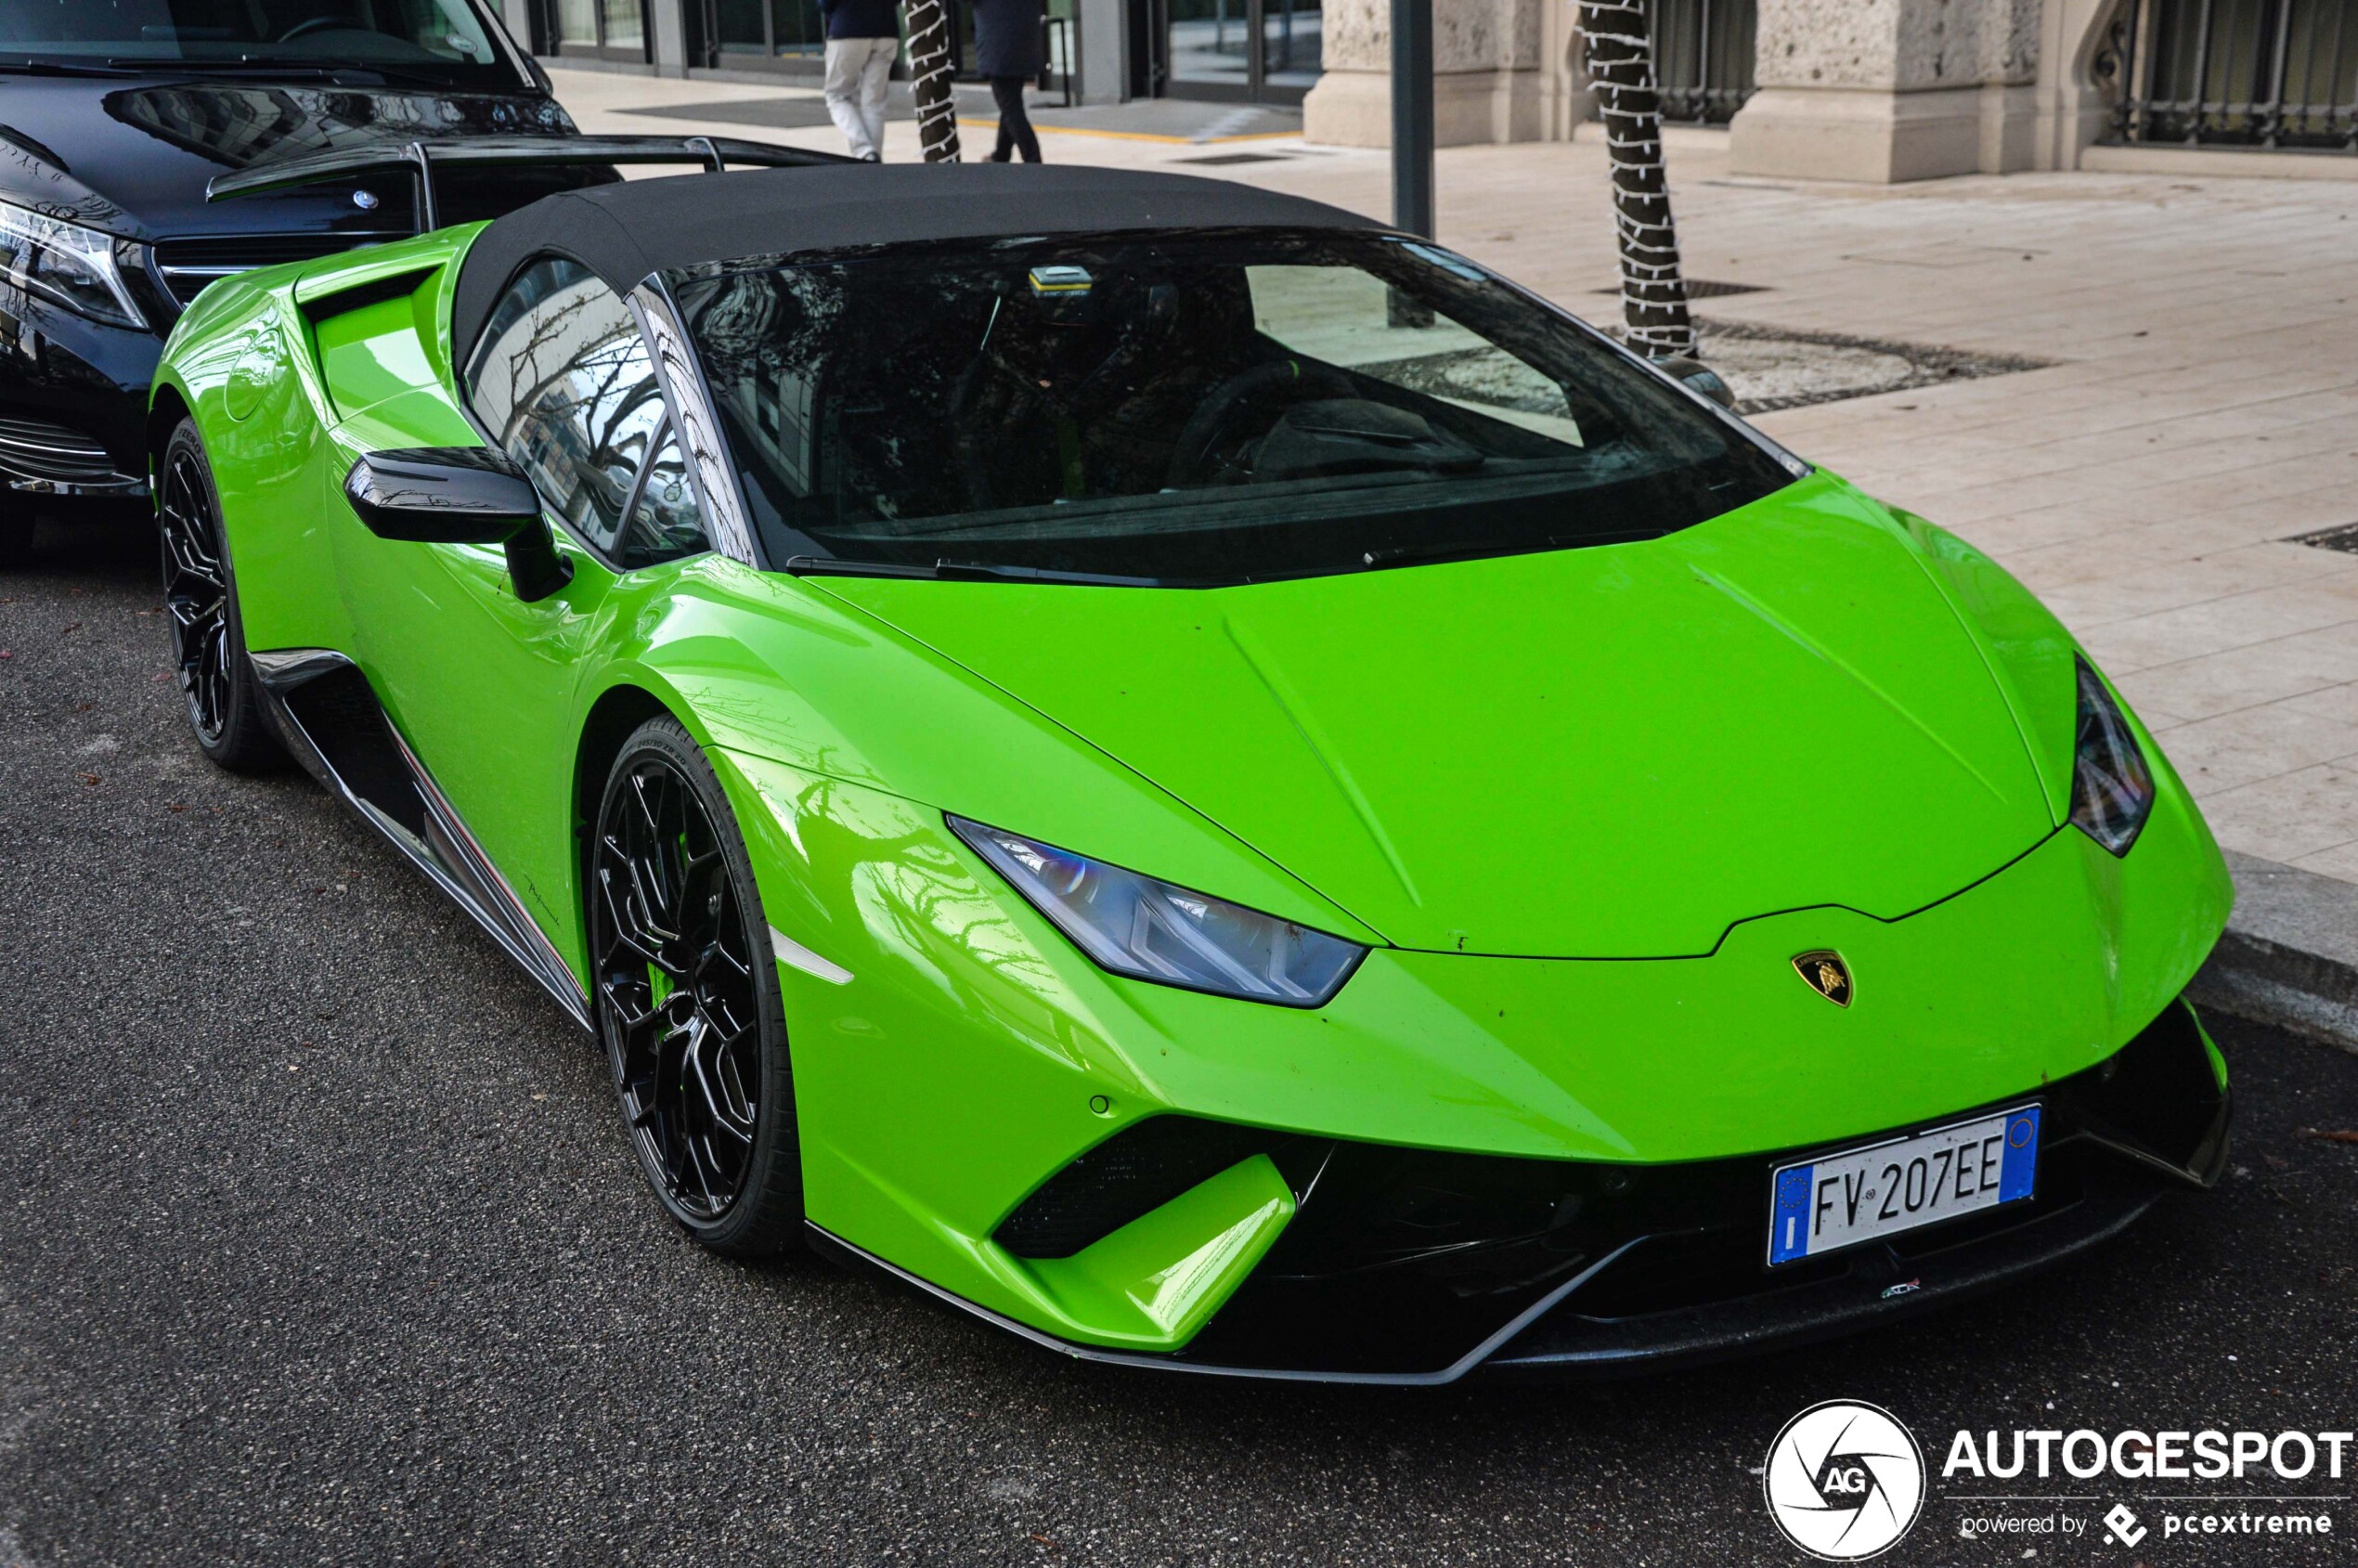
{"x":66,"y":264}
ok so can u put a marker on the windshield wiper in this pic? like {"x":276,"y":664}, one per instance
{"x":981,"y":571}
{"x":1426,"y":554}
{"x":962,"y":571}
{"x":63,"y":68}
{"x":246,"y":67}
{"x":263,"y":65}
{"x":828,"y":567}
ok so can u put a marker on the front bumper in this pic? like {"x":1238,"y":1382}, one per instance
{"x":74,"y":400}
{"x":977,"y":1059}
{"x":1410,"y":1266}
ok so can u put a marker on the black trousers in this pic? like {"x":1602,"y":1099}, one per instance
{"x":1015,"y":125}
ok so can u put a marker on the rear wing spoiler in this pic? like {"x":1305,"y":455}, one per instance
{"x":421,"y":159}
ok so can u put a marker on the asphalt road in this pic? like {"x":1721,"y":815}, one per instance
{"x":319,"y":1243}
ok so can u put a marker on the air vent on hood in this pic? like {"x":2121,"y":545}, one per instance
{"x":189,"y":264}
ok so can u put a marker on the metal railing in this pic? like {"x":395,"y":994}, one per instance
{"x":2268,"y":75}
{"x":1703,"y":58}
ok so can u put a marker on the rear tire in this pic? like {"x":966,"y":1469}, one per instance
{"x":225,"y":704}
{"x":688,"y":1001}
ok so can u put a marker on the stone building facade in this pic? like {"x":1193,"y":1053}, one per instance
{"x":1877,"y":90}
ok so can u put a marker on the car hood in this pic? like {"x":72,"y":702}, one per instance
{"x":1609,"y":752}
{"x":133,"y":158}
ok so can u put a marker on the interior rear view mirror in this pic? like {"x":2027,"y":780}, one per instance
{"x":459,"y":494}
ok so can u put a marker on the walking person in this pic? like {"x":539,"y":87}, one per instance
{"x":862,"y":38}
{"x":1007,"y":50}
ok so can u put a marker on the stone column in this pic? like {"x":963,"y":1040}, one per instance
{"x":516,"y":16}
{"x":1101,"y":76}
{"x":667,"y":31}
{"x":1486,"y":78}
{"x":1889,"y":90}
{"x":2073,"y":108}
{"x":1567,"y":98}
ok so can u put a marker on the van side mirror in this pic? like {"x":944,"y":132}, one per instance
{"x":1700,"y":377}
{"x":459,"y":494}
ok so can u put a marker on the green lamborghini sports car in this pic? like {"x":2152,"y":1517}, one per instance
{"x":1205,"y":781}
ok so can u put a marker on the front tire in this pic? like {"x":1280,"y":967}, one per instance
{"x":688,"y":1001}
{"x":200,"y":604}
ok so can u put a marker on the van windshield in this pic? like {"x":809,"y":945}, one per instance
{"x":441,"y":41}
{"x":1191,"y":408}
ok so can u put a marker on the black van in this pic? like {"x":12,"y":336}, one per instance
{"x":115,"y":114}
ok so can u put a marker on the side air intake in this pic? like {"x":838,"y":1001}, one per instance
{"x":1133,"y":1173}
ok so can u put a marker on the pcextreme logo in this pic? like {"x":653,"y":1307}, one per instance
{"x":1845,"y":1481}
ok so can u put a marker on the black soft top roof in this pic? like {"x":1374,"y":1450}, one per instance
{"x":623,"y":232}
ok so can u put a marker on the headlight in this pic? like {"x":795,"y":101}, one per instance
{"x":2112,"y":790}
{"x":1151,"y":930}
{"x":67,"y":263}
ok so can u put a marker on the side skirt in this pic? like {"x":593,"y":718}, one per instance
{"x":335,"y":726}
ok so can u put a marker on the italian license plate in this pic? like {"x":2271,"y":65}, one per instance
{"x":1856,"y":1195}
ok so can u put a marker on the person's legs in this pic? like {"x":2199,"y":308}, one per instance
{"x":846,"y":58}
{"x":875,"y":83}
{"x":1015,"y":125}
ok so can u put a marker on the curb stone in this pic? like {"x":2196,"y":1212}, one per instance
{"x":2290,"y":953}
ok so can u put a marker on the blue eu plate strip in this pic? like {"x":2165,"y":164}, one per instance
{"x":1791,"y":1238}
{"x":2020,"y":1169}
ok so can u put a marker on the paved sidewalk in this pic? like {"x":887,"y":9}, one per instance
{"x":2200,"y":411}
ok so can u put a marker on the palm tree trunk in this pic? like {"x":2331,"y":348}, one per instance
{"x":931,"y":64}
{"x":1654,"y":290}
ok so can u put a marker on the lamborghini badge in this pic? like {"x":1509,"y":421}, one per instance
{"x":1827,"y":974}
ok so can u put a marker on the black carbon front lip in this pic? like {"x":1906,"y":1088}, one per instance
{"x":1665,"y":1269}
{"x":1553,"y":1340}
{"x":1878,"y":1285}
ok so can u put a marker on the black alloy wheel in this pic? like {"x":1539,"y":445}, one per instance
{"x":688,"y":1000}
{"x":201,"y":605}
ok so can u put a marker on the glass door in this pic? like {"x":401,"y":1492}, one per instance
{"x":1290,"y":59}
{"x":1245,"y":51}
{"x":1210,"y":49}
{"x":795,"y":28}
{"x":576,"y":24}
{"x":766,"y":28}
{"x":622,"y":24}
{"x":740,"y":27}
{"x":607,"y":29}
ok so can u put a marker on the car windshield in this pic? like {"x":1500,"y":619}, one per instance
{"x":1195,"y":408}
{"x":438,"y":40}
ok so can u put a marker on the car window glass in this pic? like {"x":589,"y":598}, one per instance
{"x":664,"y":522}
{"x":1341,"y":315}
{"x":1197,"y":407}
{"x":445,"y":36}
{"x":562,"y":381}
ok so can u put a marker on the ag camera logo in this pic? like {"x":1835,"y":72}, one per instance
{"x":1845,"y":1481}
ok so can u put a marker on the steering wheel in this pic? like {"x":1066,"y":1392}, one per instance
{"x":309,"y":25}
{"x":1195,"y":456}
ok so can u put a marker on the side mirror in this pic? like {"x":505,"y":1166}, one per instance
{"x":459,"y":494}
{"x":1700,"y":377}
